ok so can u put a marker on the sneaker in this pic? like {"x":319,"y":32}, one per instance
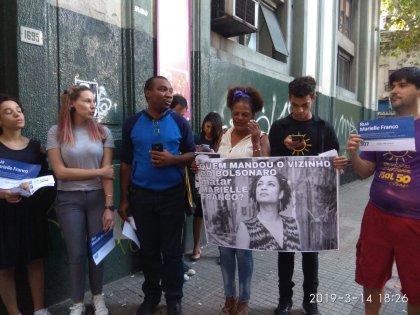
{"x":310,"y":308}
{"x":99,"y":305}
{"x":42,"y":311}
{"x":77,"y":309}
{"x":186,"y":277}
{"x":283,"y":308}
{"x":188,"y":270}
{"x":147,"y":308}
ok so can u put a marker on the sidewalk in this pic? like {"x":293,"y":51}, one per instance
{"x":203,"y":293}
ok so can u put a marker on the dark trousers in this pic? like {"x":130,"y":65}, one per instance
{"x":160,"y":219}
{"x":286,"y":265}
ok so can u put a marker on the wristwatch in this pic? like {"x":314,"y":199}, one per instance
{"x":110,"y":207}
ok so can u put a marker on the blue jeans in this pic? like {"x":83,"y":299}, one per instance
{"x":228,"y":259}
{"x":160,"y":218}
{"x":80,"y":216}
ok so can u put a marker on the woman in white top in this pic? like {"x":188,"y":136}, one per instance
{"x":80,"y":152}
{"x":244,"y":139}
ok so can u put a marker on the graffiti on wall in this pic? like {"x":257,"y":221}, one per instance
{"x":104,"y":106}
{"x":344,"y":126}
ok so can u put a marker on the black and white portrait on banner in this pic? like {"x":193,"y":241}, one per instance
{"x":276,"y":203}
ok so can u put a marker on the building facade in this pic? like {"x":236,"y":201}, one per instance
{"x":113,"y":46}
{"x":387,"y":65}
{"x":337,"y":42}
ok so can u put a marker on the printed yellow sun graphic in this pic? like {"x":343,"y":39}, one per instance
{"x":304,"y":149}
{"x":397,"y":157}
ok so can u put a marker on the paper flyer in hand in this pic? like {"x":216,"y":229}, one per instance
{"x":13,"y":173}
{"x":388,"y":134}
{"x":34,"y":184}
{"x":101,"y":245}
{"x":129,"y":230}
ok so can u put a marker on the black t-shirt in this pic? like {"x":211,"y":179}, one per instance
{"x":23,"y":225}
{"x":318,"y":134}
{"x":31,"y":154}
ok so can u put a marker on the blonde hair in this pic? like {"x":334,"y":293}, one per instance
{"x":65,"y":117}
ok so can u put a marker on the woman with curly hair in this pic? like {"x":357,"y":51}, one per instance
{"x":23,"y":223}
{"x":244,"y":139}
{"x":270,"y":229}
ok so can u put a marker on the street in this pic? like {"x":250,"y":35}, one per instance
{"x":338,"y":294}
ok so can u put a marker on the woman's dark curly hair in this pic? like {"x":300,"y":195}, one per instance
{"x":246,"y":94}
{"x":284,"y":187}
{"x":4,"y":98}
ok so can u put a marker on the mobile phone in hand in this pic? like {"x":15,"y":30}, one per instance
{"x":157,"y":147}
{"x":298,"y":138}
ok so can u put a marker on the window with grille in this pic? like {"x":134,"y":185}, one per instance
{"x":344,"y":61}
{"x":344,"y":17}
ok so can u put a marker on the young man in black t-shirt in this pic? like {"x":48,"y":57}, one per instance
{"x":301,"y":133}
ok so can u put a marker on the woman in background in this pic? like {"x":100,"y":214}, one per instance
{"x":270,"y":229}
{"x":210,"y":136}
{"x":23,"y":223}
{"x":80,"y":152}
{"x":211,"y":131}
{"x":179,"y":104}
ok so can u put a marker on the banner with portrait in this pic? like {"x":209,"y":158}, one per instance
{"x":275,"y":203}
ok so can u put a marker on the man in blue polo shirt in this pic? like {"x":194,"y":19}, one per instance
{"x":156,"y":145}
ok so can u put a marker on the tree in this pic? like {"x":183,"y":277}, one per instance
{"x":401,"y":32}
